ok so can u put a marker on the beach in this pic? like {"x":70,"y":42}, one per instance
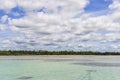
{"x":64,"y":57}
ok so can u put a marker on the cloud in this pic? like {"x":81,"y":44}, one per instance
{"x":4,"y":19}
{"x":53,"y":6}
{"x":54,"y":26}
{"x":115,"y":5}
{"x":2,"y":27}
{"x":7,"y":5}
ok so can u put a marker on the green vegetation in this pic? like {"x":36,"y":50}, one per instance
{"x":22,"y":52}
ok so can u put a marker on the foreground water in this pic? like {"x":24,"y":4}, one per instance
{"x":59,"y":69}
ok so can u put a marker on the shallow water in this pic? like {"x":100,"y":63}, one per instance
{"x":58,"y":70}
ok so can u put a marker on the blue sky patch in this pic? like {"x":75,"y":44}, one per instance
{"x":17,"y":12}
{"x":8,"y":33}
{"x":97,"y":5}
{"x":2,"y":13}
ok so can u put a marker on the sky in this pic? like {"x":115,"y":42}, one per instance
{"x":55,"y":25}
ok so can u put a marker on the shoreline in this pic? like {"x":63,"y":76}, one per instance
{"x":64,"y":57}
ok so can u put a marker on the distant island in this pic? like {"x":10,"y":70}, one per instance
{"x":26,"y":52}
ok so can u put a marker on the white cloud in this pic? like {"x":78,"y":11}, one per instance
{"x":2,"y":27}
{"x":64,"y":6}
{"x":58,"y":29}
{"x":4,"y":18}
{"x":115,"y":5}
{"x":54,"y":6}
{"x":7,"y":4}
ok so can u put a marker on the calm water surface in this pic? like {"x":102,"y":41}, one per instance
{"x":58,"y":70}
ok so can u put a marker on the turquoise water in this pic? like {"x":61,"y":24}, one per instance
{"x":53,"y":70}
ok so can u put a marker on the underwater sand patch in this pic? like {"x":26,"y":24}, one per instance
{"x":25,"y":77}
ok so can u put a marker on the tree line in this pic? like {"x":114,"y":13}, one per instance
{"x":24,"y":52}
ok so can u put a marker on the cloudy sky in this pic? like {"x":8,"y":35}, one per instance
{"x":87,"y":25}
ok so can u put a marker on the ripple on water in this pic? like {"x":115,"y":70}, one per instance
{"x":101,"y":64}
